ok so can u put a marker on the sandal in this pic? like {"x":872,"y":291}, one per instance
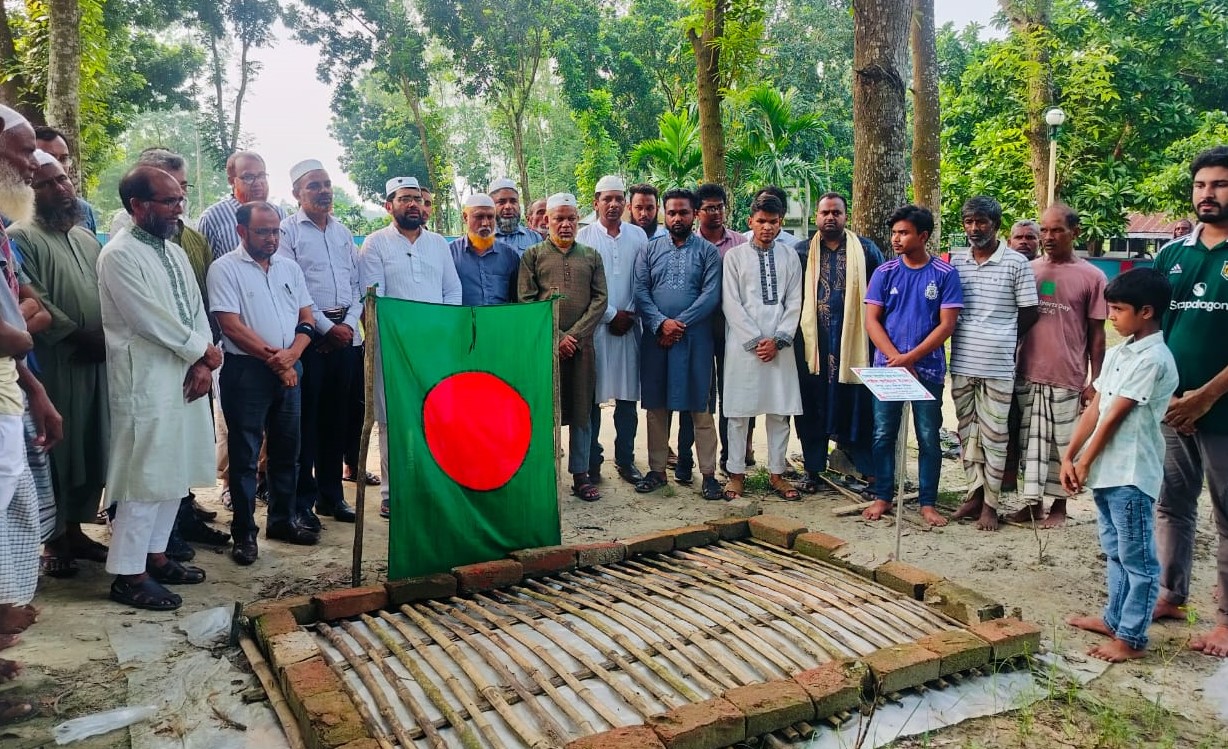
{"x":586,"y":492}
{"x":385,"y":509}
{"x":145,"y":593}
{"x":174,"y":573}
{"x":651,"y":482}
{"x":12,"y":711}
{"x":90,"y":551}
{"x":57,"y":566}
{"x":785,"y":491}
{"x":736,"y":485}
{"x":807,"y":485}
{"x":371,"y":478}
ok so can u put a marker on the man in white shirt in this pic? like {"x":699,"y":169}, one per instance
{"x":261,"y":303}
{"x":404,"y":260}
{"x":785,"y":238}
{"x":617,"y":338}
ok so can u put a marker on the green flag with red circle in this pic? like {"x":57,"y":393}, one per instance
{"x":469,"y":393}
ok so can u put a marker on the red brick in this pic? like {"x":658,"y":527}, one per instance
{"x":545,"y":560}
{"x":301,"y":607}
{"x":344,"y":603}
{"x":310,"y":677}
{"x":905,"y":578}
{"x":835,"y":687}
{"x":412,"y":589}
{"x":275,"y":622}
{"x":626,"y":737}
{"x":772,"y":705}
{"x":902,"y":666}
{"x":1009,"y":637}
{"x":730,"y":529}
{"x":290,"y":648}
{"x":776,"y":530}
{"x":693,"y":535}
{"x":962,"y":604}
{"x":818,"y":545}
{"x":959,"y":649}
{"x":484,"y":576}
{"x":702,"y":725}
{"x":661,"y":542}
{"x":333,"y":718}
{"x":607,"y":552}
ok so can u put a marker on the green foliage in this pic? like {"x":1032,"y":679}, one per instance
{"x":765,"y":136}
{"x":1168,"y":190}
{"x":378,"y":137}
{"x":601,"y":154}
{"x":673,"y":158}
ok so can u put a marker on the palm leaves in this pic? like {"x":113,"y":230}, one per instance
{"x":674,"y":158}
{"x":766,"y":139}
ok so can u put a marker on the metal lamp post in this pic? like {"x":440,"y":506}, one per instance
{"x":1054,"y":117}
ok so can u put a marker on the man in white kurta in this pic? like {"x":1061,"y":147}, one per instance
{"x":159,"y":365}
{"x":617,"y":339}
{"x":762,"y":301}
{"x":404,"y":260}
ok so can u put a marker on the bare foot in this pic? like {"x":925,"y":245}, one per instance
{"x":988,"y":520}
{"x":971,"y":507}
{"x":933,"y":517}
{"x":1091,"y":624}
{"x":1213,"y":643}
{"x":16,"y":619}
{"x":1116,"y":651}
{"x":9,"y":670}
{"x":1167,"y":610}
{"x":8,"y":641}
{"x":877,"y":509}
{"x":1057,"y":515}
{"x":1029,"y":514}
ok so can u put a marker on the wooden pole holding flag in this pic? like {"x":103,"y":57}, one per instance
{"x":558,"y":405}
{"x":371,"y":330}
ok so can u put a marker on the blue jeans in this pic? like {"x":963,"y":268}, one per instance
{"x":254,"y":402}
{"x":626,"y":424}
{"x":1127,"y":536}
{"x":926,"y":419}
{"x":579,"y":437}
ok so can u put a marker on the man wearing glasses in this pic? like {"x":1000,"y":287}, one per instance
{"x":249,"y":182}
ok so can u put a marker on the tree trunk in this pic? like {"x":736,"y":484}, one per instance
{"x":245,"y":74}
{"x":522,"y":162}
{"x":880,"y":57}
{"x":218,"y":130}
{"x":64,"y":75}
{"x":1029,"y":21}
{"x":415,"y":107}
{"x":708,"y":90}
{"x":926,"y":121}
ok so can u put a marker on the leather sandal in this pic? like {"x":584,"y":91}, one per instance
{"x":174,"y":573}
{"x":736,"y":486}
{"x":586,"y":492}
{"x":146,"y":593}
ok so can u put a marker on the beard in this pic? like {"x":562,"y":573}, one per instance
{"x":1211,"y":213}
{"x":16,"y":197}
{"x":508,"y":225}
{"x":58,"y":218}
{"x":409,"y":223}
{"x":650,"y":228}
{"x":681,"y":231}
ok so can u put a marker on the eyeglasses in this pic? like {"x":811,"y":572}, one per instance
{"x":169,"y":202}
{"x":251,"y":179}
{"x":710,"y":209}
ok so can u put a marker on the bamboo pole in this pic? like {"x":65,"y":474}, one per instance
{"x":463,"y":695}
{"x":564,"y":673}
{"x":542,"y":681}
{"x":425,"y":728}
{"x":646,"y":631}
{"x":748,"y":668}
{"x":697,"y":636}
{"x":277,"y":700}
{"x":558,"y":406}
{"x":546,"y":594}
{"x":364,"y":440}
{"x":600,"y":671}
{"x":367,"y":677}
{"x":468,"y":737}
{"x":492,"y":692}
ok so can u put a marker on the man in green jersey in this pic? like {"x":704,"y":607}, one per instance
{"x":1196,"y":425}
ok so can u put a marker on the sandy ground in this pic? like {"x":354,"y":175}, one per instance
{"x":71,"y":669}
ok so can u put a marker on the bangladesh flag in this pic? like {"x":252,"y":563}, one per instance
{"x":469,"y":393}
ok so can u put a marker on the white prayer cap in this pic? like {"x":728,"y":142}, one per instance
{"x":610,"y":182}
{"x":12,"y":118}
{"x":503,"y":183}
{"x":304,"y":166}
{"x":559,"y":200}
{"x":43,"y":158}
{"x":479,"y":200}
{"x":396,"y":183}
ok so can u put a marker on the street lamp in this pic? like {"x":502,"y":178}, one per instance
{"x":1054,"y":117}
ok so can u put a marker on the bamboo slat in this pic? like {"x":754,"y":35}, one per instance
{"x":363,"y":671}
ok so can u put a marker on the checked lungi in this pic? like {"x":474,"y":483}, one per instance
{"x":19,"y":535}
{"x":1048,"y":417}
{"x":983,"y":406}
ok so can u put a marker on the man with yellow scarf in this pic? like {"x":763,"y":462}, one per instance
{"x":487,"y":265}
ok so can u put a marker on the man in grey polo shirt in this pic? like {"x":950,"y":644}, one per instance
{"x":1000,"y":305}
{"x":263,"y":307}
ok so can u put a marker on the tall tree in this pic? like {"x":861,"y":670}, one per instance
{"x":1030,"y":21}
{"x":64,"y":73}
{"x":880,"y":61}
{"x":926,"y":121}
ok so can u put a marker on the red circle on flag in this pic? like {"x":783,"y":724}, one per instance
{"x":477,"y":428}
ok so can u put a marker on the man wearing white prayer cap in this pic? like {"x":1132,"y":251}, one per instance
{"x":617,"y":338}
{"x":562,"y":266}
{"x":325,"y":251}
{"x":405,"y":260}
{"x":487,"y":266}
{"x":507,"y":215}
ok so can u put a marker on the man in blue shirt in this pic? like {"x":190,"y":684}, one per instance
{"x":507,"y":215}
{"x":487,"y":266}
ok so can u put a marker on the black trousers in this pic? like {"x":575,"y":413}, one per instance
{"x":327,"y":379}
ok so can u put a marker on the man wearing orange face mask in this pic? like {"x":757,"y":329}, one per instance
{"x":487,"y":265}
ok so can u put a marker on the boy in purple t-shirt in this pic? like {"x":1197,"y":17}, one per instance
{"x":912,"y":303}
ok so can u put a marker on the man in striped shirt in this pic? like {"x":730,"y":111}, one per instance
{"x":249,"y":183}
{"x":1000,"y":305}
